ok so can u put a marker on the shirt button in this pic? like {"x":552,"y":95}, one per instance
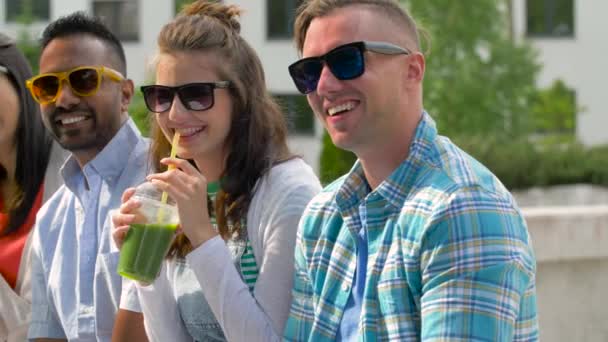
{"x":345,"y":287}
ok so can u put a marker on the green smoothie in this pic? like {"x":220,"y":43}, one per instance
{"x":144,"y":249}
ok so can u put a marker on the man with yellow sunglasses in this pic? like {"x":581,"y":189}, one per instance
{"x":83,"y":96}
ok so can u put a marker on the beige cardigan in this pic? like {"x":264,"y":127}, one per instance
{"x":15,"y":306}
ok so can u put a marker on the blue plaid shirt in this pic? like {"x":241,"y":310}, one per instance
{"x":450,"y":257}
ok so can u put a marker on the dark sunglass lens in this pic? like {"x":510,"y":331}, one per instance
{"x":158,"y":99}
{"x":46,"y":87}
{"x":305,"y":74}
{"x":346,"y":63}
{"x":84,"y":81}
{"x":196,"y":96}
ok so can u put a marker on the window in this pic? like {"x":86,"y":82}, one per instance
{"x":550,"y":18}
{"x":121,"y":16}
{"x":27,"y":10}
{"x":279,"y":18}
{"x":300,"y":118}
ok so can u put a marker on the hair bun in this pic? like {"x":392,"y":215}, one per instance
{"x":227,"y":14}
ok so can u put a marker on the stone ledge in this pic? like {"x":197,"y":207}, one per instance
{"x":564,"y":233}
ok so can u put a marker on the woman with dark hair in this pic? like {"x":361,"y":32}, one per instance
{"x":29,"y":164}
{"x":239,"y":190}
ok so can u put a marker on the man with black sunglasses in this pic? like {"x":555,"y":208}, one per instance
{"x":418,"y":241}
{"x":83,"y":96}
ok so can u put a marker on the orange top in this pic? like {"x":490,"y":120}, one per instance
{"x":11,"y":246}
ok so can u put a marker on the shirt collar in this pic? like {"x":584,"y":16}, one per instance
{"x":397,"y":186}
{"x":110,"y":162}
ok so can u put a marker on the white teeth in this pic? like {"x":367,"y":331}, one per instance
{"x":189,"y":131}
{"x":67,"y":121}
{"x":340,"y":108}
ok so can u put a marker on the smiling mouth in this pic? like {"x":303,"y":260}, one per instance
{"x":188,"y":132}
{"x":341,"y":109}
{"x":70,"y":120}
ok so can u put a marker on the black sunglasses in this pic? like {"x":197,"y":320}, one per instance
{"x":346,"y":62}
{"x":194,"y":96}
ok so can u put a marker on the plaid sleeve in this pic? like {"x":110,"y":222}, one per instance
{"x":478,"y":272}
{"x":301,"y":313}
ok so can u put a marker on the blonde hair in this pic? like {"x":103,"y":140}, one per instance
{"x":258,"y":132}
{"x":310,"y":9}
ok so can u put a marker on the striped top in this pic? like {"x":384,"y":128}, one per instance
{"x":449,"y":255}
{"x":248,"y":266}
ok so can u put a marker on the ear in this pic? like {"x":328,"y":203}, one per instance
{"x":416,"y":68}
{"x":127,"y":91}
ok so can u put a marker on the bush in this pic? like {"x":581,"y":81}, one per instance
{"x":523,"y":163}
{"x":514,"y":162}
{"x":30,"y":48}
{"x":139,"y":113}
{"x":334,"y":162}
{"x":518,"y":163}
{"x":597,"y":165}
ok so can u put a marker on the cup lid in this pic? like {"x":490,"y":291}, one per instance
{"x":150,"y":191}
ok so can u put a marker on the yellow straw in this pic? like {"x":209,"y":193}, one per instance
{"x":163,"y":198}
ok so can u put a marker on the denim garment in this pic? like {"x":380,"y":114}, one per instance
{"x":75,"y":287}
{"x":194,"y":311}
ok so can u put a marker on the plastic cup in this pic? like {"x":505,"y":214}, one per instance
{"x":149,"y":238}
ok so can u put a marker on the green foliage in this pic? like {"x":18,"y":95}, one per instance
{"x":478,"y":79}
{"x":139,"y":113}
{"x":30,"y":48}
{"x":519,"y":163}
{"x":26,"y":11}
{"x":596,"y":162}
{"x":554,"y":20}
{"x":554,"y":109}
{"x":514,"y":162}
{"x":334,"y":161}
{"x":25,"y":42}
{"x":181,"y":3}
{"x":523,"y":163}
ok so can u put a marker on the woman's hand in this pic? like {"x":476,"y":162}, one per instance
{"x":122,"y":218}
{"x":188,"y":188}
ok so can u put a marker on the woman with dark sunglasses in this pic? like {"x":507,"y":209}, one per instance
{"x":29,"y":164}
{"x":239,"y":190}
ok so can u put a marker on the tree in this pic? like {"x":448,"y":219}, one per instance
{"x":478,"y":81}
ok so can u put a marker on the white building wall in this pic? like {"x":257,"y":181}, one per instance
{"x":276,"y":55}
{"x":151,"y":18}
{"x":580,"y":61}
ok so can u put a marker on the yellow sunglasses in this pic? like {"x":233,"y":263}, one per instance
{"x":83,"y":80}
